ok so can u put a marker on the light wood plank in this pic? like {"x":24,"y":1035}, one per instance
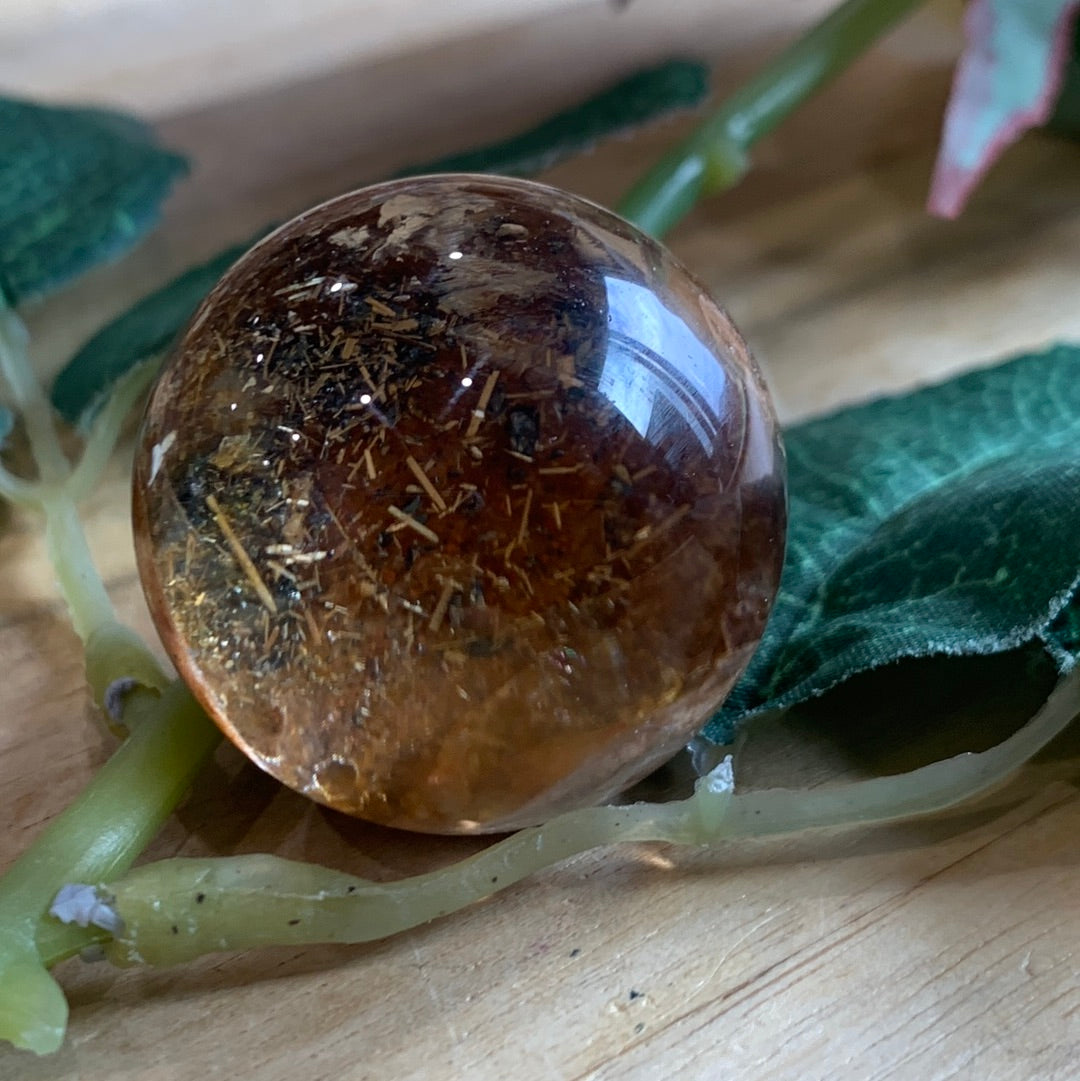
{"x":924,"y":951}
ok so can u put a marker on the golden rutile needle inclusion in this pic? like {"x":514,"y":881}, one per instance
{"x":459,"y":504}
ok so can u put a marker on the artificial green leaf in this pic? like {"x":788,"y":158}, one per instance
{"x":943,"y":522}
{"x":143,"y":331}
{"x":77,"y":186}
{"x":152,"y":324}
{"x":643,"y":97}
{"x":1062,"y":637}
{"x":1066,"y":115}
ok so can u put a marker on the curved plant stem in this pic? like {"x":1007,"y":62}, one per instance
{"x":715,"y":156}
{"x":921,"y":791}
{"x":107,"y":427}
{"x":117,"y":660}
{"x":178,"y":909}
{"x":16,"y":490}
{"x":64,"y":538}
{"x":98,"y":836}
{"x":125,"y":805}
{"x":55,"y":493}
{"x":33,"y":1010}
{"x":114,"y":819}
{"x":29,"y":399}
{"x":248,"y":901}
{"x":81,"y":585}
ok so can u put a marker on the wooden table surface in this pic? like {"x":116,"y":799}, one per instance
{"x":941,"y":948}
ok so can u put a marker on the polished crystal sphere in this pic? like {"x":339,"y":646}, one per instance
{"x":460,"y":503}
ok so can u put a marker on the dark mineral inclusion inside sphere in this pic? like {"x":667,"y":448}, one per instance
{"x":459,"y":504}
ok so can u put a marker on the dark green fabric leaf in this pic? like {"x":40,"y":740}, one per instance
{"x":1066,"y":115}
{"x":646,"y":96}
{"x":1062,"y":637}
{"x":143,"y":331}
{"x":77,"y":186}
{"x":150,"y":326}
{"x":944,"y":522}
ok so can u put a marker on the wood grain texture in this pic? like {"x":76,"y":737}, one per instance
{"x":937,"y":949}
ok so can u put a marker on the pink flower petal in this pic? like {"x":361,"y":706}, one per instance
{"x":1007,"y":81}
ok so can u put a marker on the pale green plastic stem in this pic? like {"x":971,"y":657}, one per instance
{"x":54,"y":494}
{"x":716,"y":156}
{"x":106,"y":428}
{"x":176,"y":910}
{"x":98,"y":836}
{"x":81,"y":585}
{"x":114,"y":819}
{"x":29,"y":399}
{"x":16,"y":490}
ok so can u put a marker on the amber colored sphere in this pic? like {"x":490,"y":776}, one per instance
{"x":460,"y":503}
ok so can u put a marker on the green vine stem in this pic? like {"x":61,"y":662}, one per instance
{"x":81,"y":585}
{"x":16,"y":490}
{"x":716,"y":156}
{"x":55,"y":493}
{"x":178,"y":909}
{"x":133,"y":794}
{"x":29,"y":399}
{"x":99,"y":835}
{"x":107,"y":425}
{"x":116,"y":659}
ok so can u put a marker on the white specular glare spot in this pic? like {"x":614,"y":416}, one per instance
{"x":365,"y":399}
{"x":456,"y":255}
{"x":466,"y":381}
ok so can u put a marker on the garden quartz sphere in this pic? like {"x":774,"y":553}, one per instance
{"x":459,"y":504}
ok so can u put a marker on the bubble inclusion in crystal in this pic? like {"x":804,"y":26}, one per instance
{"x":460,"y":503}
